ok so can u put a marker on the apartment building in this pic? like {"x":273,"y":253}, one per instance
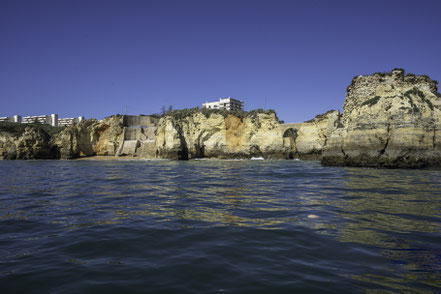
{"x":224,"y":103}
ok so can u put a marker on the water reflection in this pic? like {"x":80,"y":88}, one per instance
{"x":394,"y":212}
{"x":386,"y":209}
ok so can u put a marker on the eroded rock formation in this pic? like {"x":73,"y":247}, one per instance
{"x":389,"y":120}
{"x":313,"y":135}
{"x":26,"y":142}
{"x":220,"y":136}
{"x":90,"y":137}
{"x":87,"y":138}
{"x":197,"y":134}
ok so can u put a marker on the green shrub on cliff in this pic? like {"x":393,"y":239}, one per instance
{"x":19,"y":128}
{"x":428,"y":103}
{"x":207,"y":112}
{"x":417,"y":92}
{"x":381,"y":74}
{"x":320,"y":117}
{"x":371,"y":101}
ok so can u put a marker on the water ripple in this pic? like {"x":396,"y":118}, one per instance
{"x":217,"y":226}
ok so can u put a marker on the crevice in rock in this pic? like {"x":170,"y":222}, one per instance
{"x":326,"y":141}
{"x":71,"y":148}
{"x":387,"y":141}
{"x":342,"y":143}
{"x":342,"y":151}
{"x":183,"y":153}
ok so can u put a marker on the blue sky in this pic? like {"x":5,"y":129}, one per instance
{"x":94,"y":58}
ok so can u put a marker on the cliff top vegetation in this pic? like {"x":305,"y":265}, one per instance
{"x":18,"y":128}
{"x":409,"y":77}
{"x":183,"y":113}
{"x":320,"y":117}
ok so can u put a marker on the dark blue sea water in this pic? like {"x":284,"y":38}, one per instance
{"x":217,"y":226}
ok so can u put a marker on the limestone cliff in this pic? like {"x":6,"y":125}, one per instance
{"x":182,"y":134}
{"x":389,"y":120}
{"x":90,"y":137}
{"x":220,"y":135}
{"x":313,"y":135}
{"x":26,"y":142}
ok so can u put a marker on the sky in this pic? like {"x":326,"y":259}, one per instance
{"x":97,"y":58}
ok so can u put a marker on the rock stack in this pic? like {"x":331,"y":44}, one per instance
{"x":389,"y":120}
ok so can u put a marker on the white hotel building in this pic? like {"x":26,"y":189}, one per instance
{"x":226,"y":103}
{"x":52,"y":120}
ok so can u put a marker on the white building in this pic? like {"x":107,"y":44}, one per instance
{"x":15,"y":118}
{"x":69,"y":121}
{"x":52,"y":119}
{"x":43,"y":119}
{"x":226,"y":103}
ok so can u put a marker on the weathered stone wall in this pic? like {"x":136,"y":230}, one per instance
{"x":139,"y":120}
{"x":139,"y":136}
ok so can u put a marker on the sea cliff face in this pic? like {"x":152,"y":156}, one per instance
{"x":87,"y":138}
{"x":197,"y":134}
{"x":26,"y":142}
{"x":90,"y":137}
{"x":220,"y":136}
{"x":389,"y":120}
{"x":312,"y":135}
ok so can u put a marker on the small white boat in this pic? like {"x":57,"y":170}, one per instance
{"x":257,"y":158}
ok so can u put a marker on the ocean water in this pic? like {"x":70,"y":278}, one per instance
{"x":217,"y":227}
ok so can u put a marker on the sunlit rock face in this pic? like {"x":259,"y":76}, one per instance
{"x":90,"y":137}
{"x":195,"y":135}
{"x":220,"y":136}
{"x":389,"y":120}
{"x":313,"y":135}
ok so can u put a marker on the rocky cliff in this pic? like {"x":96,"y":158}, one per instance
{"x":181,"y":134}
{"x":27,"y":142}
{"x":90,"y":137}
{"x":196,"y":134}
{"x":87,"y":138}
{"x":389,"y":120}
{"x":313,"y":135}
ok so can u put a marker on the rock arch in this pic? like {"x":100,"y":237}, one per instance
{"x":289,"y":139}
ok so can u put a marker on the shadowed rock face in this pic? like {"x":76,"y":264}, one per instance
{"x":197,"y":136}
{"x":32,"y":143}
{"x":389,"y":120}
